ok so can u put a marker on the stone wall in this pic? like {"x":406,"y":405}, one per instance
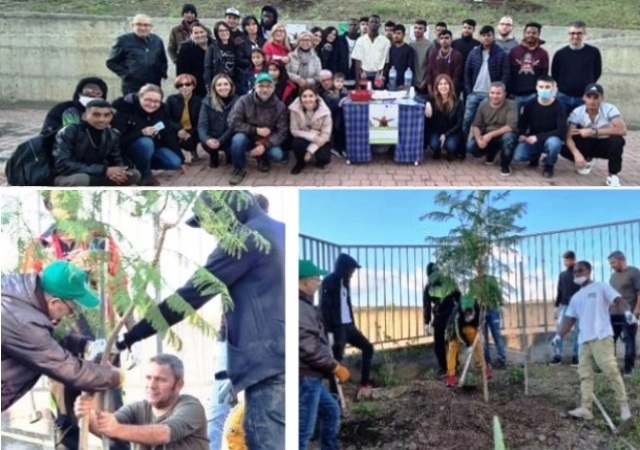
{"x":43,"y":55}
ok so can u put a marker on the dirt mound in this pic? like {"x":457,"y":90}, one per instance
{"x":430,"y":416}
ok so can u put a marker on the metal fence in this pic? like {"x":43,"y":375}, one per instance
{"x":386,"y":292}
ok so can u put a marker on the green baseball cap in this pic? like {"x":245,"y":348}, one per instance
{"x":263,"y":76}
{"x":467,"y":302}
{"x":69,"y":282}
{"x":307,"y":269}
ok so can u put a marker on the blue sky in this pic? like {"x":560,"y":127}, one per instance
{"x":391,"y":216}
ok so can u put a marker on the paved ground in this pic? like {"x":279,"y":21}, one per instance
{"x":18,"y":123}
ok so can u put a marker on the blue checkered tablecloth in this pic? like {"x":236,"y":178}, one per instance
{"x":410,"y":146}
{"x":356,"y":126}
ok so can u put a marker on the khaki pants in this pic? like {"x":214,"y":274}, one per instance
{"x":601,"y":352}
{"x":469,"y":334}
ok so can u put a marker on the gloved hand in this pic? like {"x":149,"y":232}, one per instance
{"x":630,"y":318}
{"x":428,"y":329}
{"x":121,"y":343}
{"x":556,"y":340}
{"x":95,"y":349}
{"x":341,"y":373}
{"x":131,"y":357}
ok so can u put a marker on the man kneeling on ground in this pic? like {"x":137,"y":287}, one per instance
{"x":165,"y":418}
{"x":88,"y":153}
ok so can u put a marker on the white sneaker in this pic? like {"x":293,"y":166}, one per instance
{"x":625,"y":413}
{"x":613,"y":181}
{"x":586,"y":170}
{"x":581,"y":413}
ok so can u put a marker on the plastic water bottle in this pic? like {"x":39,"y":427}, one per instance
{"x":408,"y":79}
{"x":393,"y":76}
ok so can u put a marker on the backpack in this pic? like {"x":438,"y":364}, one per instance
{"x":31,"y":163}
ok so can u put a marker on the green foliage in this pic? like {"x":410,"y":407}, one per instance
{"x":514,"y":375}
{"x":481,"y":233}
{"x":367,"y":409}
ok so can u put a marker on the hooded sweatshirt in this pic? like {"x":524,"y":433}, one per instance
{"x":256,"y":283}
{"x":274,"y":11}
{"x":331,"y":293}
{"x":69,"y":112}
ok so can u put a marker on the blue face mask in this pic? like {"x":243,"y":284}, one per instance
{"x":544,"y":94}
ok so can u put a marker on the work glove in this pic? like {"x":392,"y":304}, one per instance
{"x":556,"y":340}
{"x":630,"y":318}
{"x":428,"y":329}
{"x":341,"y":373}
{"x":131,"y":357}
{"x":95,"y":349}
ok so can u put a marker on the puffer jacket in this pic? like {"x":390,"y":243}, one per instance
{"x":138,"y":61}
{"x":304,"y":66}
{"x":29,"y":350}
{"x":319,"y":125}
{"x":250,"y":113}
{"x":130,"y":119}
{"x":330,"y":300}
{"x":498,"y":67}
{"x":255,"y":281}
{"x":73,"y":151}
{"x":316,"y":357}
{"x":212,"y":124}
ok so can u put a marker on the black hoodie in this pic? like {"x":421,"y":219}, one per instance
{"x":330,"y":300}
{"x":56,"y":117}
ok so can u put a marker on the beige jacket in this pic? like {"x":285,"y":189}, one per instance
{"x":320,"y":124}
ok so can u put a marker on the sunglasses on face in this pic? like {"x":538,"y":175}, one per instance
{"x":181,"y":85}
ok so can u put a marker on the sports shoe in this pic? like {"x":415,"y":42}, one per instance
{"x":337,"y":153}
{"x":547,"y":172}
{"x":149,"y":181}
{"x":500,"y":364}
{"x":489,"y":162}
{"x":505,"y":171}
{"x":237,"y":176}
{"x":489,"y":373}
{"x":264,"y":165}
{"x":613,"y":181}
{"x":450,"y":381}
{"x":626,"y":420}
{"x":581,"y":413}
{"x":533,"y":164}
{"x":586,"y":170}
{"x":627,"y":373}
{"x":556,"y":361}
{"x":574,"y":362}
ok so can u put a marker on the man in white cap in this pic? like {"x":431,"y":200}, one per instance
{"x":232,"y":18}
{"x":596,"y":130}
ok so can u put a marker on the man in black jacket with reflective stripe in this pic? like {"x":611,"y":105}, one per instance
{"x":88,"y":153}
{"x":566,"y":289}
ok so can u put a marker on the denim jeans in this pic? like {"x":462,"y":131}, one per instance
{"x":218,"y":413}
{"x":557,"y":350}
{"x":628,"y":333}
{"x":570,"y":103}
{"x":522,"y":100}
{"x":471,"y":107}
{"x":526,"y":152}
{"x":264,"y":414}
{"x":504,"y":144}
{"x":241,"y":144}
{"x":146,"y":156}
{"x":451,"y":143}
{"x":492,"y":323}
{"x":316,"y":403}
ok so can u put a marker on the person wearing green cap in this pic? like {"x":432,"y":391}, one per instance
{"x":463,"y":328}
{"x":316,"y":363}
{"x":260,"y":124}
{"x":32,"y":305}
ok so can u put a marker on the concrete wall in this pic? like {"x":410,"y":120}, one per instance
{"x":45,"y":63}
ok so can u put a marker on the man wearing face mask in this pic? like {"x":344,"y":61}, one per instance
{"x":32,"y":305}
{"x":528,"y":61}
{"x":590,"y":306}
{"x":69,"y":112}
{"x":541,"y":128}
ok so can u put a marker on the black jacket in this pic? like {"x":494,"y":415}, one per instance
{"x":56,"y":117}
{"x":191,"y":61}
{"x":213,"y":64}
{"x":175,"y":105}
{"x":73,"y":151}
{"x":29,"y":350}
{"x":138,"y":61}
{"x":213,"y":124}
{"x":130,"y":119}
{"x":330,"y":300}
{"x":447,"y":123}
{"x":441,"y":308}
{"x":316,"y":357}
{"x":566,"y":287}
{"x":339,"y":61}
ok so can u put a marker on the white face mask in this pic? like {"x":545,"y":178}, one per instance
{"x":83,"y":99}
{"x":580,"y":280}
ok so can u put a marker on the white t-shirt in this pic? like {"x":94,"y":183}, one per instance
{"x":372,"y":55}
{"x":345,"y":314}
{"x":590,"y":305}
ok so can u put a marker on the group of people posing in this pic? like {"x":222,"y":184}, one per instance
{"x":245,"y":90}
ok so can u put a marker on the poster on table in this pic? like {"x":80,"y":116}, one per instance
{"x":383,"y":122}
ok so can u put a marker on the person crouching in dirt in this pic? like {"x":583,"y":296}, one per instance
{"x":440,"y":297}
{"x":462,"y":328}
